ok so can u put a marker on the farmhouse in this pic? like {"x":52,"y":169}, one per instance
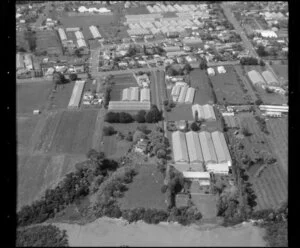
{"x":256,"y":78}
{"x":128,"y":105}
{"x":141,"y":146}
{"x":269,"y":77}
{"x":190,"y":94}
{"x":221,"y":148}
{"x":208,"y":150}
{"x":76,"y":94}
{"x":179,"y":147}
{"x":194,"y":148}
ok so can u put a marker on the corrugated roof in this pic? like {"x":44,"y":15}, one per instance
{"x":134,"y":93}
{"x":199,"y":109}
{"x":269,"y":77}
{"x":207,"y":146}
{"x":209,"y":112}
{"x":196,"y":174}
{"x":220,"y":152}
{"x":182,"y":94}
{"x":194,"y":147}
{"x":255,"y":77}
{"x":190,"y":94}
{"x":179,"y":147}
{"x":81,"y":43}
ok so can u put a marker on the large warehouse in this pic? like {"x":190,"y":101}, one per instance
{"x":179,"y":147}
{"x":256,"y":78}
{"x":208,"y":149}
{"x":95,"y":32}
{"x":126,"y":94}
{"x":128,"y":105}
{"x":204,"y":112}
{"x":221,"y":148}
{"x":194,"y":147}
{"x":76,"y":94}
{"x":269,"y":77}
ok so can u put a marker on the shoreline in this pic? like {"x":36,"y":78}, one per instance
{"x":115,"y":232}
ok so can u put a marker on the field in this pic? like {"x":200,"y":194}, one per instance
{"x":21,"y":42}
{"x":199,"y":80}
{"x":206,"y":204}
{"x":267,"y":98}
{"x":25,"y":128}
{"x":39,"y":172}
{"x":281,"y":71}
{"x":121,"y":82}
{"x":145,"y":190}
{"x":227,"y":88}
{"x":114,"y":148}
{"x":33,"y":95}
{"x":68,"y":132}
{"x":180,"y":112}
{"x":271,"y":186}
{"x":48,"y":41}
{"x":279,"y":139}
{"x":62,"y":96}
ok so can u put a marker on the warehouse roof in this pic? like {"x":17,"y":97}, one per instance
{"x":179,"y":147}
{"x":194,"y":147}
{"x":269,"y":77}
{"x":196,"y":174}
{"x":207,"y":146}
{"x":255,"y":77}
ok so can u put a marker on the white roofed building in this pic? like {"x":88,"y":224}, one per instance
{"x":179,"y":147}
{"x":209,"y":112}
{"x":221,"y":148}
{"x":62,"y":34}
{"x":145,"y":95}
{"x":194,"y":148}
{"x":208,"y":149}
{"x":190,"y":94}
{"x":95,"y":32}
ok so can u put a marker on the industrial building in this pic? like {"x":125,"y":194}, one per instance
{"x":256,"y":78}
{"x":79,"y":35}
{"x":128,"y":105}
{"x":269,"y":78}
{"x":204,"y":112}
{"x":221,"y":148}
{"x":182,"y":95}
{"x":208,"y":149}
{"x":126,"y":94}
{"x":76,"y":94}
{"x":194,"y":148}
{"x":204,"y":177}
{"x":190,"y":94}
{"x":62,"y":34}
{"x":145,"y":95}
{"x":179,"y":147}
{"x":95,"y":32}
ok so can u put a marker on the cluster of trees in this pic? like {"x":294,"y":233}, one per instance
{"x":30,"y":36}
{"x":169,"y":104}
{"x":262,"y":124}
{"x":73,"y":187}
{"x":155,"y":50}
{"x":158,"y":144}
{"x":108,"y":131}
{"x":249,"y":61}
{"x":171,"y":71}
{"x":152,"y":116}
{"x":59,"y":78}
{"x":41,"y":236}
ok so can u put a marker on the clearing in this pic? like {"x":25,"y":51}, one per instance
{"x":68,"y":132}
{"x":33,"y":95}
{"x":145,"y":190}
{"x":227,"y":88}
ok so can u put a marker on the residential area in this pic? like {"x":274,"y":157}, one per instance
{"x":165,"y":111}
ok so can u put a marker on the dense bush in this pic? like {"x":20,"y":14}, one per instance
{"x":108,"y":131}
{"x":73,"y":76}
{"x":249,"y":61}
{"x":140,"y":116}
{"x":153,"y":115}
{"x":112,"y":117}
{"x":195,"y":127}
{"x":41,"y":236}
{"x":262,"y":124}
{"x":125,"y":117}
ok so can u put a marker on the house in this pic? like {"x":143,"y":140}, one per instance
{"x":141,"y":146}
{"x":221,"y":69}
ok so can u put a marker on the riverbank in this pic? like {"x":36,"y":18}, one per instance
{"x":113,"y":232}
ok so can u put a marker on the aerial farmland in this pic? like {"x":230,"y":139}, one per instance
{"x":161,"y":112}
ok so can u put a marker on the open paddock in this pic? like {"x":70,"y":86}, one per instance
{"x":68,"y":132}
{"x":114,"y":148}
{"x":180,"y":112}
{"x":33,"y":95}
{"x":227,"y":88}
{"x":62,"y":95}
{"x":39,"y":172}
{"x":145,"y":190}
{"x":136,"y":10}
{"x":199,"y":81}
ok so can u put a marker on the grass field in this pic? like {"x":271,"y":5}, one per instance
{"x":279,"y":139}
{"x":68,"y":132}
{"x":121,"y":82}
{"x":271,"y":186}
{"x":181,"y":112}
{"x":145,"y":190}
{"x":48,"y":40}
{"x":227,"y":88}
{"x":281,"y":71}
{"x":62,"y":96}
{"x":25,"y":128}
{"x":114,"y":148}
{"x":199,"y":80}
{"x":39,"y":172}
{"x":33,"y":95}
{"x":206,"y":204}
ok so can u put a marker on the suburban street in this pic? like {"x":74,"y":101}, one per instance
{"x":238,"y":28}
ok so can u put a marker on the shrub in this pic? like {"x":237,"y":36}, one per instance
{"x":108,"y":131}
{"x":161,"y":153}
{"x":112,"y":117}
{"x":125,"y":117}
{"x":166,"y":102}
{"x":167,"y":108}
{"x":140,"y":116}
{"x":195,"y":127}
{"x":73,"y":76}
{"x":245,"y":131}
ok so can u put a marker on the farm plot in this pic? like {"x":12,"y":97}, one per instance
{"x":206,"y":204}
{"x":271,"y":186}
{"x":25,"y":128}
{"x":145,"y":190}
{"x":279,"y":139}
{"x":61,"y":96}
{"x":137,"y":10}
{"x":121,"y":82}
{"x":181,"y":112}
{"x":68,"y":132}
{"x":39,"y":172}
{"x":227,"y":88}
{"x":131,"y":127}
{"x":48,"y":41}
{"x":33,"y":95}
{"x":199,"y":81}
